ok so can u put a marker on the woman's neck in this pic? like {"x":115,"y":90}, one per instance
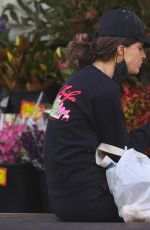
{"x":105,"y":67}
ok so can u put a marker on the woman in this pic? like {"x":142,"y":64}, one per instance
{"x":86,"y":112}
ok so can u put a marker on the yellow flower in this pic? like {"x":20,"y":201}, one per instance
{"x":10,"y":56}
{"x":17,"y":43}
{"x":58,"y":52}
{"x":43,"y":67}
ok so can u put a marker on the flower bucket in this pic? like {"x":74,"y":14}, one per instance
{"x":43,"y":188}
{"x":20,"y":190}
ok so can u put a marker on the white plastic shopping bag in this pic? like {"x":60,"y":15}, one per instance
{"x":128,"y":181}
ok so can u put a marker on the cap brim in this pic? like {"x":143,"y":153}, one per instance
{"x":146,"y":40}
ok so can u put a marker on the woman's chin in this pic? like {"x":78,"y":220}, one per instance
{"x":135,"y":72}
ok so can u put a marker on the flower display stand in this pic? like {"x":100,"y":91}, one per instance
{"x":21,"y":192}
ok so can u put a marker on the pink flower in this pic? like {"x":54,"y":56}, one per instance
{"x":10,"y":144}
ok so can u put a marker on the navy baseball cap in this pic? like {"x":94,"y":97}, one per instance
{"x":123,"y":23}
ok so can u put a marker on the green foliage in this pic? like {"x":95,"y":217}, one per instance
{"x":58,"y":22}
{"x":27,"y":64}
{"x":64,"y":19}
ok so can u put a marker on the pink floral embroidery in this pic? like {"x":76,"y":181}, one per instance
{"x":58,"y":110}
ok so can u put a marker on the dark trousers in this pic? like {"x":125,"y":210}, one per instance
{"x":88,"y":206}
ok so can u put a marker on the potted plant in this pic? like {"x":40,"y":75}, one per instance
{"x":28,"y":66}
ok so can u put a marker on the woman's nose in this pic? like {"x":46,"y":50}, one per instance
{"x":144,"y":55}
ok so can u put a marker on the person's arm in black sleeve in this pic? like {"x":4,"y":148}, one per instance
{"x":140,"y":138}
{"x":110,"y":122}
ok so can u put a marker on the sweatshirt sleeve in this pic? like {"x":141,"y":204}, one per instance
{"x":110,"y":121}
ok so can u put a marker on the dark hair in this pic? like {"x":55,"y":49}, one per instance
{"x":101,"y":48}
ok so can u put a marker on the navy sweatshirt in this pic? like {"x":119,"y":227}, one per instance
{"x":86,"y":112}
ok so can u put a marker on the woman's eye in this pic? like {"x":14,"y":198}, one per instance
{"x":140,"y":48}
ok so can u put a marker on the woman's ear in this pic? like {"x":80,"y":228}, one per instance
{"x":120,"y":50}
{"x":120,"y":53}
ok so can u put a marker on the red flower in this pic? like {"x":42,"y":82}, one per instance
{"x":91,"y":14}
{"x":136,"y":104}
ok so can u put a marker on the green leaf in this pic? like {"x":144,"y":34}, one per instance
{"x":8,"y":7}
{"x":14,"y":16}
{"x":25,"y":7}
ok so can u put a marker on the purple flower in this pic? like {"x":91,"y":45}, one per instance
{"x":10,"y":144}
{"x":2,"y":25}
{"x":32,"y":140}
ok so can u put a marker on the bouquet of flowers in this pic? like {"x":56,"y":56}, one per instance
{"x":136,"y":104}
{"x":21,"y":140}
{"x":32,"y":141}
{"x":11,"y":150}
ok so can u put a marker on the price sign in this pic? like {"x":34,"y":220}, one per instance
{"x":31,"y":109}
{"x":3,"y":176}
